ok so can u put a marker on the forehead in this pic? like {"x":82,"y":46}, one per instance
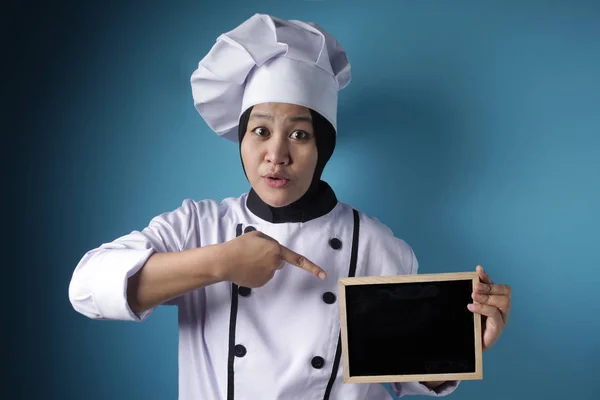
{"x":280,"y":110}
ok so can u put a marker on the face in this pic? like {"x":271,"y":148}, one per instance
{"x":279,"y":152}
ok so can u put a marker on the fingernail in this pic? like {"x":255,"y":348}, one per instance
{"x":470,"y":307}
{"x":322,"y":275}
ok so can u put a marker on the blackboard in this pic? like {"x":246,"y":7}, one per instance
{"x":410,"y":328}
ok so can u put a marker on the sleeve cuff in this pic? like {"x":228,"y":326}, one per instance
{"x":417,"y":388}
{"x":110,"y":286}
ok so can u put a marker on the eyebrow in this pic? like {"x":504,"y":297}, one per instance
{"x":297,"y":118}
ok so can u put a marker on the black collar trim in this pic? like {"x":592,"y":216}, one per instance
{"x":305,"y":209}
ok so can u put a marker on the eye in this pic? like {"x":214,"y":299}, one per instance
{"x":300,"y":135}
{"x":260,"y":131}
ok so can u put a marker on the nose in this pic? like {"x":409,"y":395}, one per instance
{"x":278,"y":150}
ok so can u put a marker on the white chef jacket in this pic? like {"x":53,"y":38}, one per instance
{"x":279,"y":341}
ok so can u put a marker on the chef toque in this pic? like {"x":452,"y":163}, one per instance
{"x":267,"y":59}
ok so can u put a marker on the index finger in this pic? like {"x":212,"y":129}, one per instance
{"x":300,"y":261}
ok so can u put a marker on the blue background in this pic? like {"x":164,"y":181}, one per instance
{"x":470,"y":128}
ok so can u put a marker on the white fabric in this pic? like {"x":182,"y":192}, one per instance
{"x":283,"y":324}
{"x":267,"y":59}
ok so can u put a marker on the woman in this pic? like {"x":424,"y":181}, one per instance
{"x":255,"y":277}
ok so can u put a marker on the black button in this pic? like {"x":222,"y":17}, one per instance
{"x":329,"y":297}
{"x":335,"y":243}
{"x":249,"y":229}
{"x":244,"y":291}
{"x":317,"y":362}
{"x":239,"y":350}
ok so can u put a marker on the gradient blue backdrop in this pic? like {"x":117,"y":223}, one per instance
{"x":470,"y":128}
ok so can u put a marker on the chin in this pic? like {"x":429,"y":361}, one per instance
{"x":279,"y":198}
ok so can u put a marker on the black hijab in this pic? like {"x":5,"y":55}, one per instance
{"x":319,"y":199}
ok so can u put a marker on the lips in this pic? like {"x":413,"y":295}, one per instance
{"x":276,"y":176}
{"x":276,"y":180}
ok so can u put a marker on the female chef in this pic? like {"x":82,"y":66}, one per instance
{"x":255,"y":277}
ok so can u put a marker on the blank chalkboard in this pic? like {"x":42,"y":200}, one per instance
{"x":410,"y":328}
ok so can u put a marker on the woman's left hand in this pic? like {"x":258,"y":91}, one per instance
{"x":491,"y":301}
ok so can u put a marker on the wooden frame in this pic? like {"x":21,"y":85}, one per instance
{"x":344,"y":283}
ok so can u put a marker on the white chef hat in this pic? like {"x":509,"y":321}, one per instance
{"x":267,"y":59}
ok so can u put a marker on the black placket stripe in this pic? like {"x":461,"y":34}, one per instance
{"x":351,"y":273}
{"x":232,"y":322}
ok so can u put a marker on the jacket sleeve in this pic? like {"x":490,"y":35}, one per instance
{"x":402,"y":389}
{"x":98,"y":286}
